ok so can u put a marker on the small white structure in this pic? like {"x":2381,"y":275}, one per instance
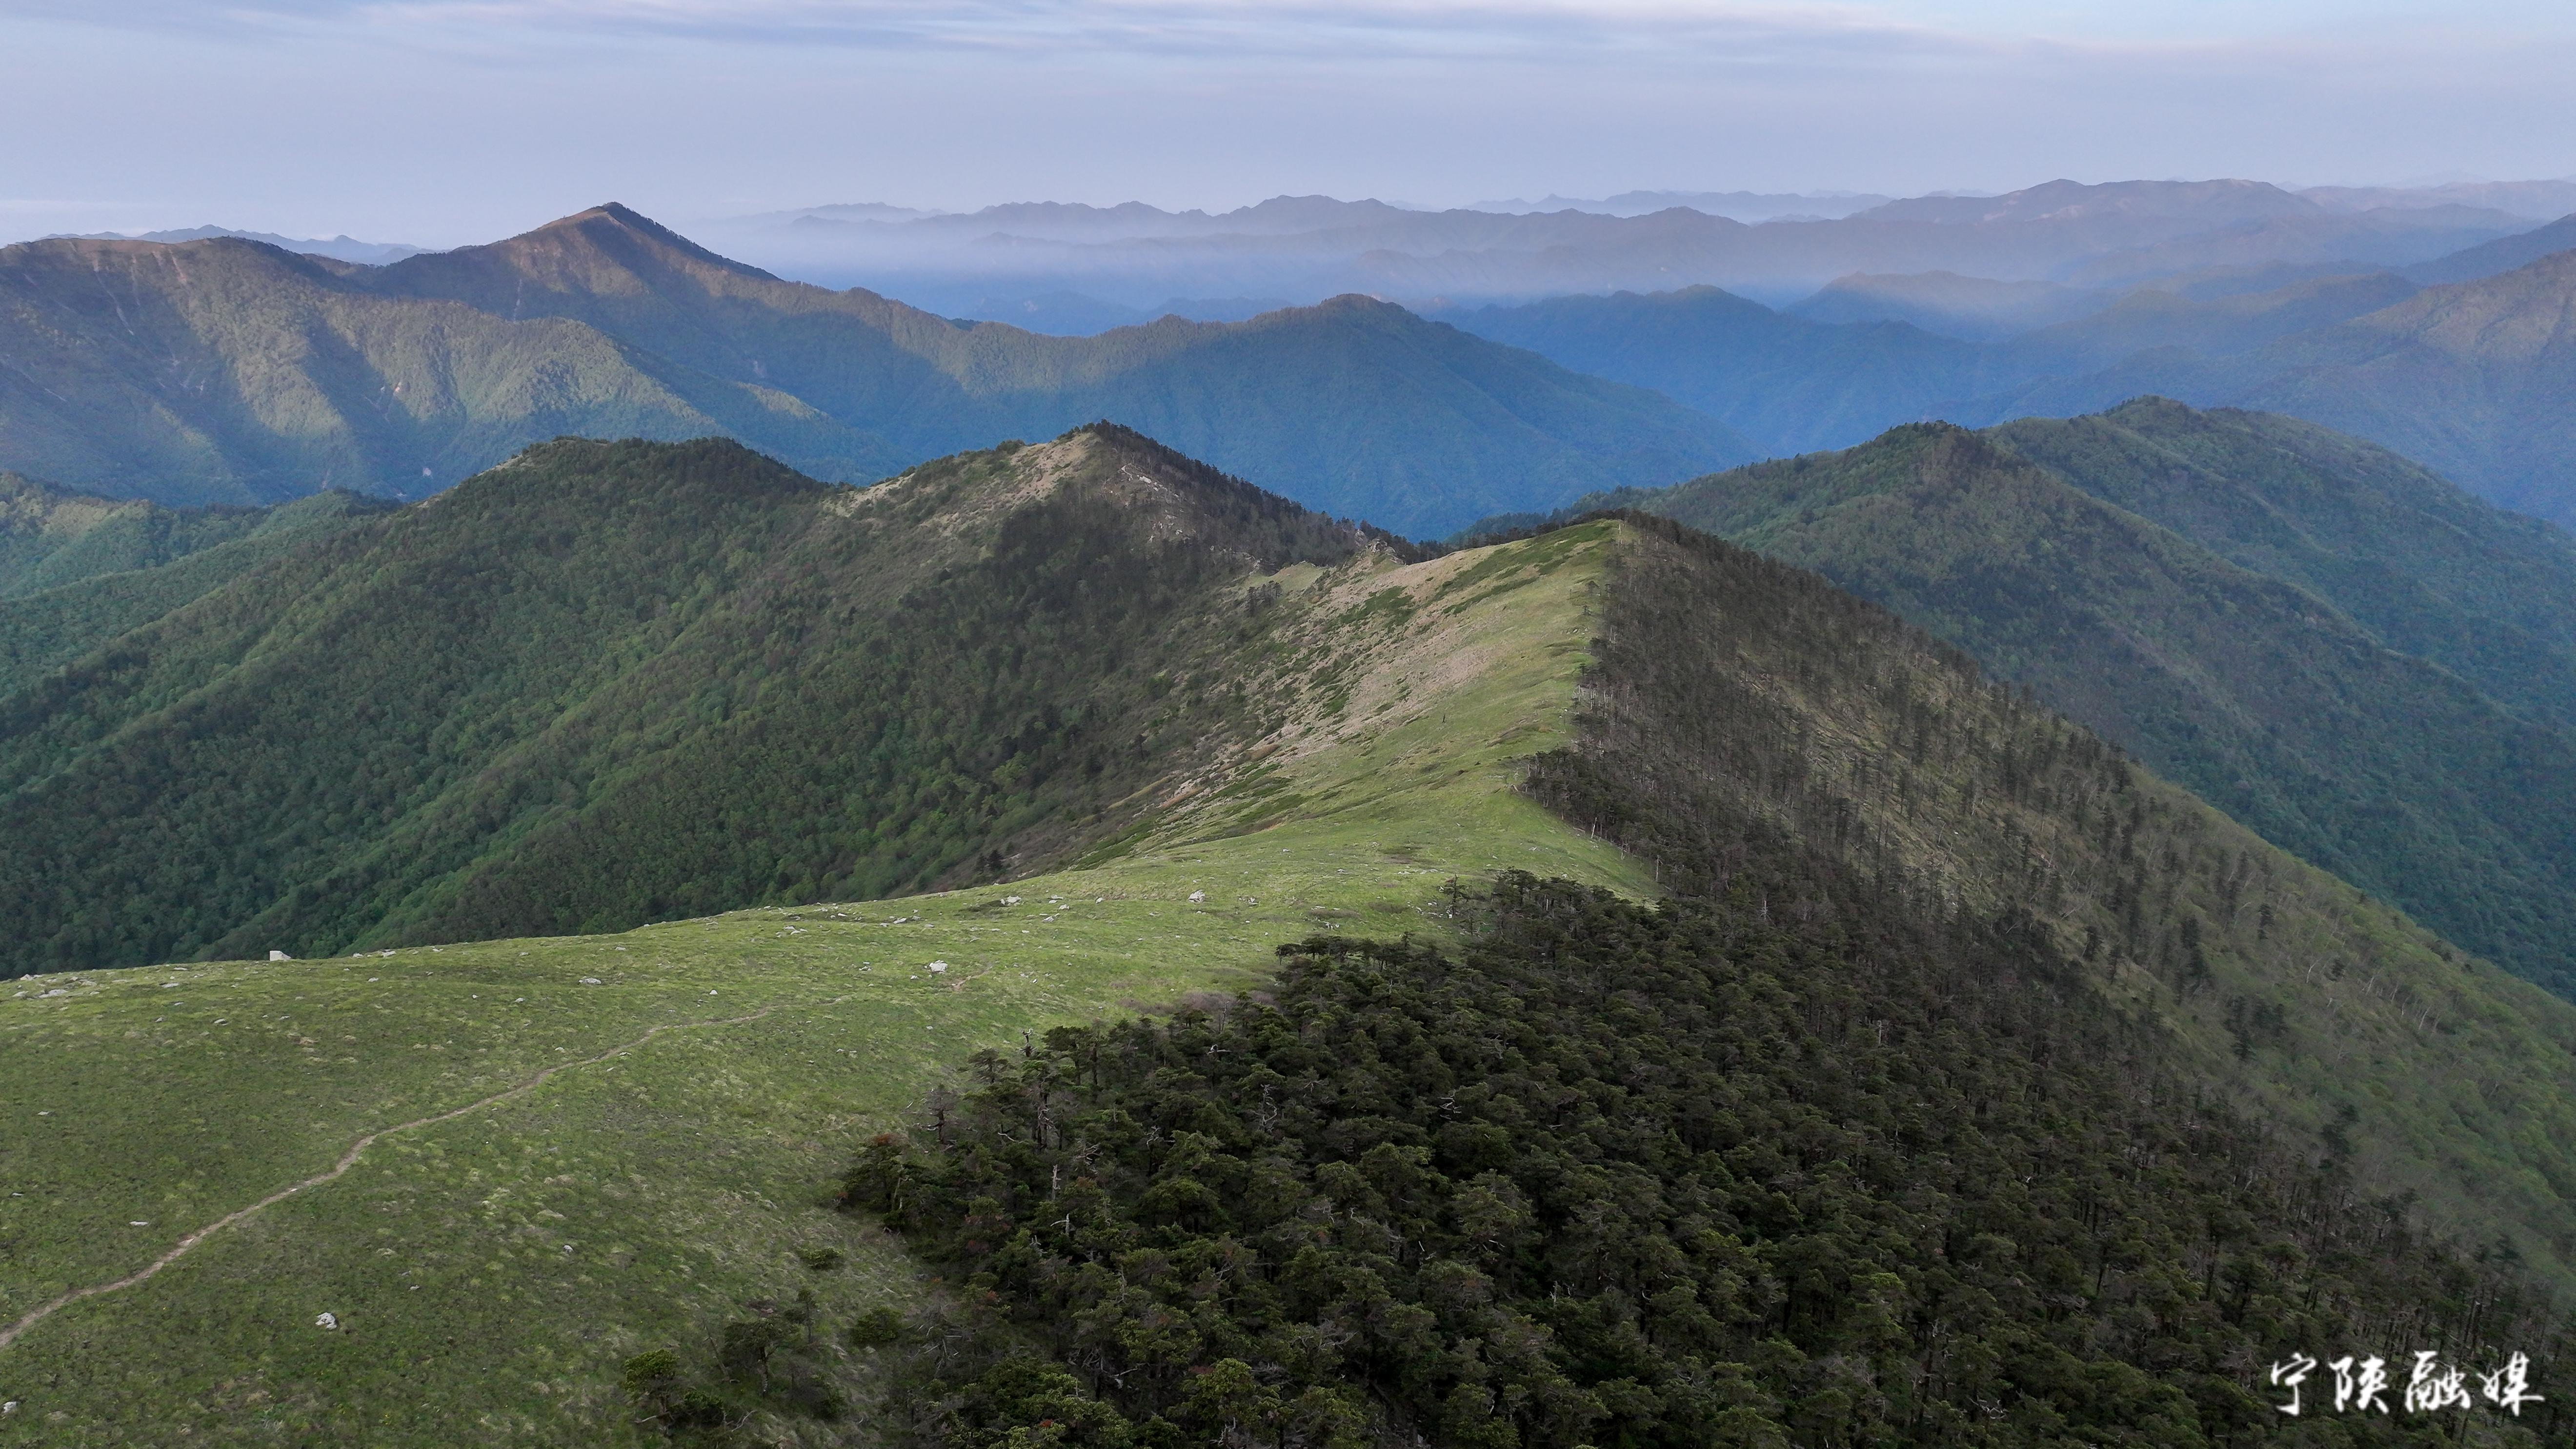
{"x":279,"y":956}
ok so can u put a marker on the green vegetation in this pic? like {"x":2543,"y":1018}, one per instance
{"x":2320,"y":1012}
{"x":2219,"y":648}
{"x":2425,"y":568}
{"x":228,"y":371}
{"x":1805,"y":1165}
{"x":78,"y":590}
{"x":51,"y":539}
{"x":652,"y":662}
{"x":687,"y":1172}
{"x":553,"y":1189}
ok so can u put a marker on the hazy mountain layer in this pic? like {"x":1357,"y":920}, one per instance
{"x":340,"y":248}
{"x":1312,"y":247}
{"x":2473,"y":380}
{"x":1788,"y":383}
{"x":221,"y":370}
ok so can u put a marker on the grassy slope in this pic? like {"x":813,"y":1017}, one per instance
{"x":492,"y":1270}
{"x":684,"y":1171}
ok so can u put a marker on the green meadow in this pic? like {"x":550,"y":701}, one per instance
{"x":651,"y":1123}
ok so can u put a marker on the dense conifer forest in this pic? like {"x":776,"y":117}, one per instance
{"x":1732,"y":1172}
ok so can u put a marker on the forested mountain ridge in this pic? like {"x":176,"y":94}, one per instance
{"x":650,"y":657}
{"x":105,"y":567}
{"x":2232,"y":665}
{"x":51,"y":536}
{"x":294,"y":373}
{"x":1903,"y":882}
{"x":2426,"y":567}
{"x":1793,"y":1157}
{"x":228,"y":371}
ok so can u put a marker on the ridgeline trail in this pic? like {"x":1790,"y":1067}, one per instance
{"x":348,"y":1159}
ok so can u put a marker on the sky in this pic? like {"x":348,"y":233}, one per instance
{"x":441,"y":122}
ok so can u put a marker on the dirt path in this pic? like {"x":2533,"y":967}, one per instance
{"x":347,"y":1160}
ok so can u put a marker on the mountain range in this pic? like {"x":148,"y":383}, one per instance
{"x":2114,"y":235}
{"x":2469,"y":377}
{"x":1955,"y":1063}
{"x":219,"y":371}
{"x":226,"y":371}
{"x":342,"y":248}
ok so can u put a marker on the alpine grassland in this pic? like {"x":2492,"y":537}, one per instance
{"x":494,"y":1270}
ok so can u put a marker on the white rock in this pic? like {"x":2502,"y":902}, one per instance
{"x":591,"y":981}
{"x":325,"y":1320}
{"x":1010,"y":900}
{"x":1198,"y":895}
{"x":938,"y":965}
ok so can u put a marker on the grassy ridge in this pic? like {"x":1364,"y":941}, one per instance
{"x":1380,"y":720}
{"x":694,"y":1162}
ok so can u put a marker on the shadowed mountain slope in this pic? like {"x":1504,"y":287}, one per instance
{"x":2504,"y":254}
{"x":2241,"y":679}
{"x":1787,"y":382}
{"x":2473,"y":380}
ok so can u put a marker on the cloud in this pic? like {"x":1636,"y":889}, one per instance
{"x":1343,"y":30}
